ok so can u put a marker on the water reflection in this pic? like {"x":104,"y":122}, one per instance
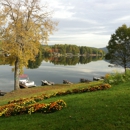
{"x":57,"y":69}
{"x":63,"y":60}
{"x":73,"y":60}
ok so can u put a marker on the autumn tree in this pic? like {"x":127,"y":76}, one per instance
{"x":24,"y":25}
{"x":119,"y":47}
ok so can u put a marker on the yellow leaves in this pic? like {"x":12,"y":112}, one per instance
{"x":25,"y":29}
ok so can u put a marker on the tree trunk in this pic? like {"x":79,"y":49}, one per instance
{"x":125,"y":67}
{"x":125,"y":70}
{"x":16,"y":75}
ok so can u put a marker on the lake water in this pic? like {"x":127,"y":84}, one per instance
{"x":57,"y":73}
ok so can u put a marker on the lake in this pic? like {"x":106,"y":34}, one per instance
{"x":57,"y":73}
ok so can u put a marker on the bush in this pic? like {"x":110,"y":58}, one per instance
{"x":117,"y":78}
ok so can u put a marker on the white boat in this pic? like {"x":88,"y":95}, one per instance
{"x":97,"y":79}
{"x":24,"y":81}
{"x":67,"y":82}
{"x":2,"y":93}
{"x":44,"y":82}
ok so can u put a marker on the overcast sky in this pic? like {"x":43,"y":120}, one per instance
{"x":88,"y":22}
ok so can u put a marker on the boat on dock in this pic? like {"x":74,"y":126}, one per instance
{"x":97,"y":79}
{"x":45,"y":82}
{"x":24,"y":81}
{"x":67,"y":82}
{"x":2,"y":93}
{"x":84,"y":80}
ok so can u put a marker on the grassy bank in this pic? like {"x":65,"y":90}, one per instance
{"x":24,"y":93}
{"x":99,"y":110}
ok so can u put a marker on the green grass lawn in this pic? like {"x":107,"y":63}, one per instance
{"x":100,"y":110}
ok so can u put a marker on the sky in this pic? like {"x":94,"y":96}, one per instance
{"x":87,"y":22}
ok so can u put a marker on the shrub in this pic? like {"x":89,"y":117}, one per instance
{"x":117,"y":78}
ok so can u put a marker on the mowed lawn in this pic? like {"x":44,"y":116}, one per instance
{"x":100,"y":110}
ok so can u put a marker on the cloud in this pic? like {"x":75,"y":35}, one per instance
{"x":122,"y":19}
{"x":88,"y":21}
{"x":61,"y":10}
{"x":63,"y":14}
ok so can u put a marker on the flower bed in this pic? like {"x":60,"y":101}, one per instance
{"x":30,"y":105}
{"x":73,"y":91}
{"x":22,"y":107}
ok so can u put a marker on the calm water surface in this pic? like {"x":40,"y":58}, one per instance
{"x":57,"y":73}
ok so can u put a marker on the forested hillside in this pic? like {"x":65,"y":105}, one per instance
{"x":66,"y":49}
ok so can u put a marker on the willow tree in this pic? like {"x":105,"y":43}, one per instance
{"x":24,"y":25}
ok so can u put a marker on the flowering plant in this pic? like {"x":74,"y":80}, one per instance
{"x":30,"y":105}
{"x":17,"y":108}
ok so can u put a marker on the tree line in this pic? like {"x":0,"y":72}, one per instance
{"x":70,"y":50}
{"x":56,"y":60}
